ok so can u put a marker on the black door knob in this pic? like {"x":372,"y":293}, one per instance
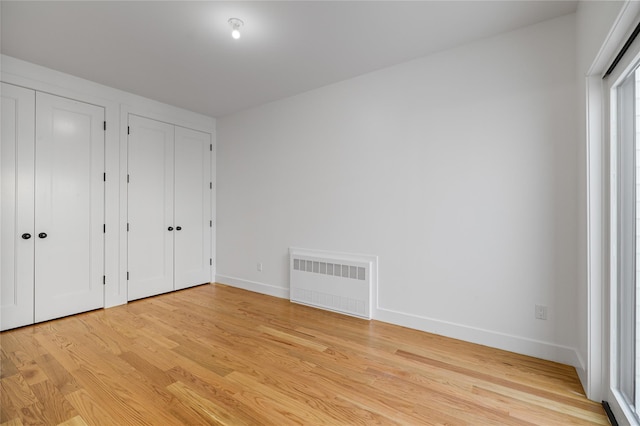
{"x":42,"y":235}
{"x":26,"y":236}
{"x":170,"y":228}
{"x":178,"y":228}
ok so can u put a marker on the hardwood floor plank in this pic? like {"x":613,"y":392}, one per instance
{"x":184,"y":414}
{"x":207,"y":409}
{"x":585,"y":405}
{"x":90,"y":410}
{"x":221,"y":391}
{"x":57,"y":374}
{"x":13,"y":422}
{"x":391,"y":407}
{"x":104,"y":335}
{"x":159,"y":357}
{"x":290,"y":339}
{"x":18,"y":391}
{"x":451,"y":397}
{"x":56,"y":409}
{"x":151,"y":372}
{"x":8,"y":411}
{"x":59,"y":351}
{"x":517,"y":369}
{"x":7,"y":367}
{"x":278,"y":406}
{"x":75,"y":421}
{"x":544,"y":410}
{"x":23,"y":340}
{"x":32,"y":373}
{"x":200,"y":354}
{"x":219,"y":355}
{"x":120,"y":402}
{"x":126,"y":383}
{"x":322,"y":398}
{"x":32,"y":415}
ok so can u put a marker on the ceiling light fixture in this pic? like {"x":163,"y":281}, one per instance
{"x":235,"y":24}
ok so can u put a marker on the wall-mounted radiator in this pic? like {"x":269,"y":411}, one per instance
{"x":334,"y":281}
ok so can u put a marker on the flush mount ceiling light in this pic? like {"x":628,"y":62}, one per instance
{"x":235,"y":24}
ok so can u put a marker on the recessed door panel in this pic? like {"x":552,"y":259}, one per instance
{"x":16,"y":206}
{"x":150,"y":207}
{"x":69,"y":206}
{"x":192,"y":208}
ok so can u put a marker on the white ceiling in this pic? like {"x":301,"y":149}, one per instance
{"x":181,"y":53}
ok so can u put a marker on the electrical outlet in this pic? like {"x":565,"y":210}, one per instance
{"x":259,"y":267}
{"x":541,"y":312}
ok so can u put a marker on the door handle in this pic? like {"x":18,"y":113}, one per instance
{"x":42,"y":235}
{"x":178,"y":228}
{"x":170,"y":228}
{"x":26,"y":236}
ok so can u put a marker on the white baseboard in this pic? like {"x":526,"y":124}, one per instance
{"x":254,"y":286}
{"x":521,"y":345}
{"x":582,"y":375}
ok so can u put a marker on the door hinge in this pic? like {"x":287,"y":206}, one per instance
{"x":210,"y":185}
{"x":211,"y":261}
{"x":104,"y":228}
{"x":105,"y":125}
{"x":127,"y":227}
{"x":104,"y":177}
{"x":127,"y":178}
{"x":210,"y":224}
{"x":104,"y":279}
{"x":127,"y":275}
{"x":128,"y":130}
{"x":210,"y":147}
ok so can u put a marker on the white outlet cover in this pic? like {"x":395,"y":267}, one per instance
{"x":541,"y":312}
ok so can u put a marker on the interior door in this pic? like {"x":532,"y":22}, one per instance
{"x":192,"y":252}
{"x":150,"y":207}
{"x":16,"y":206}
{"x":69,"y":207}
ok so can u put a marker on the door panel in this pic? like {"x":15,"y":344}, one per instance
{"x":192,"y":207}
{"x":150,"y":207}
{"x":16,"y":206}
{"x":69,"y":206}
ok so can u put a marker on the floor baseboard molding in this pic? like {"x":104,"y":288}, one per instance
{"x":257,"y":287}
{"x":582,"y":373}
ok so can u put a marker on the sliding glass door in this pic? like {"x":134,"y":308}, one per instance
{"x":624,"y":244}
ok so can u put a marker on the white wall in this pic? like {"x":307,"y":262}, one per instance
{"x":459,"y":170}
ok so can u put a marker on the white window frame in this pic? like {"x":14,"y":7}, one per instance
{"x":610,"y":224}
{"x":619,"y":125}
{"x":601,"y":370}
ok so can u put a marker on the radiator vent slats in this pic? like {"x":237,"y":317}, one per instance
{"x":335,"y":269}
{"x":334,"y":281}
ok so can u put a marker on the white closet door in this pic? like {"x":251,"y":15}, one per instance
{"x":150,"y":207}
{"x":69,"y":206}
{"x":16,"y":206}
{"x":192,"y":208}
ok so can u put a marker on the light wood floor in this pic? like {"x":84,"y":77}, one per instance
{"x":219,"y":355}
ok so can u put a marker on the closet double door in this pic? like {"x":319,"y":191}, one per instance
{"x":51,"y":207}
{"x":169,"y":207}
